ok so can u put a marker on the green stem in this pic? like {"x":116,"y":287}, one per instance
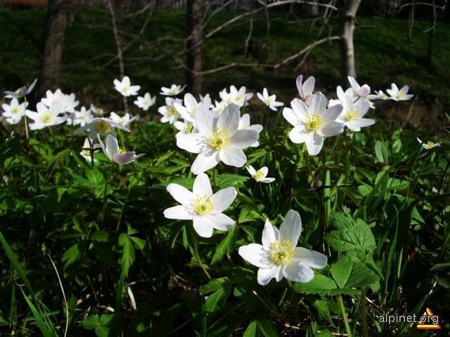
{"x":344,"y":316}
{"x":197,"y":255}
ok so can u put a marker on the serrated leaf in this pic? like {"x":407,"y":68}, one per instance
{"x":227,"y":180}
{"x":322,"y":285}
{"x":91,"y":322}
{"x":341,"y":271}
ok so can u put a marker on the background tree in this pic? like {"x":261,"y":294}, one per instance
{"x":347,"y":22}
{"x":193,"y":48}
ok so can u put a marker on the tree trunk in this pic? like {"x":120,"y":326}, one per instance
{"x":431,"y":34}
{"x":347,"y":22}
{"x":194,"y":55}
{"x":52,"y":45}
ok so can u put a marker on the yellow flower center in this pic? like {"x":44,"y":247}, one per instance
{"x":174,"y":90}
{"x":219,"y":139}
{"x":313,"y":122}
{"x":122,"y":151}
{"x":103,"y":127}
{"x":259,"y":175}
{"x":171,"y":112}
{"x":15,"y":110}
{"x":46,"y":118}
{"x":400,"y":95}
{"x":188,"y":128}
{"x":430,"y":144}
{"x":281,"y":252}
{"x":351,"y":115}
{"x":126,"y":90}
{"x":203,"y":205}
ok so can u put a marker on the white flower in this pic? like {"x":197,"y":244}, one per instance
{"x":69,"y":103}
{"x":52,"y":98}
{"x":86,"y":150}
{"x":184,"y":128}
{"x":218,"y":140}
{"x":305,"y":90}
{"x":97,"y":111}
{"x":313,"y":123}
{"x":14,"y":111}
{"x":260,"y":175}
{"x":239,"y":97}
{"x":399,"y":94}
{"x":270,"y":101}
{"x":125,"y":87}
{"x":191,"y":106}
{"x":116,"y":154}
{"x":202,"y":206}
{"x":169,"y":112}
{"x":353,"y":113}
{"x":219,"y":107}
{"x":279,"y":256}
{"x":360,"y":91}
{"x":45,"y":116}
{"x":428,"y":145}
{"x":124,"y":120}
{"x":82,"y":117}
{"x":100,"y":126}
{"x":145,"y":102}
{"x":21,"y":92}
{"x":379,"y":95}
{"x":172,"y":91}
{"x":244,"y":124}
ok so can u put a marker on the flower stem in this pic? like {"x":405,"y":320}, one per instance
{"x":344,"y":316}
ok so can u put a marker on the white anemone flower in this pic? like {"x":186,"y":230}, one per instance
{"x":219,"y":107}
{"x":353,"y":113}
{"x":270,"y":101}
{"x":397,"y":94}
{"x":428,"y":145}
{"x":379,"y":95}
{"x":96,"y":110}
{"x":125,"y":87}
{"x":360,"y":91}
{"x":169,"y":112}
{"x":260,"y":175}
{"x":306,"y":89}
{"x":45,"y":116}
{"x":115,"y":153}
{"x":239,"y":97}
{"x":191,"y":106}
{"x":102,"y":127}
{"x":279,"y":256}
{"x":313,"y":123}
{"x":124,"y":120}
{"x":52,"y":98}
{"x":13,"y":112}
{"x":82,"y":117}
{"x":218,"y":140}
{"x":173,"y":90}
{"x":244,"y":124}
{"x":69,"y":103}
{"x":184,"y":128}
{"x":202,"y":206}
{"x":145,"y":102}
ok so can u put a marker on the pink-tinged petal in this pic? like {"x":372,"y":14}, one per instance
{"x":223,"y":199}
{"x":311,"y":258}
{"x":291,"y":228}
{"x":203,"y":226}
{"x":314,"y":143}
{"x":298,"y":272}
{"x":202,"y":186}
{"x":204,"y":162}
{"x":270,"y":234}
{"x":125,"y":158}
{"x":180,"y":193}
{"x":244,"y":138}
{"x":221,"y":221}
{"x":177,"y":213}
{"x":299,"y":83}
{"x":256,"y":255}
{"x":266,"y":274}
{"x":364,"y":91}
{"x":308,"y":86}
{"x":233,"y":156}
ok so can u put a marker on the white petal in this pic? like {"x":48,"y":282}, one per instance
{"x":204,"y":162}
{"x":267,"y":180}
{"x":290,"y":116}
{"x":310,"y":257}
{"x":223,"y":199}
{"x":300,"y":109}
{"x":221,"y":221}
{"x":266,"y":274}
{"x":180,"y":193}
{"x":291,"y":228}
{"x":298,"y":135}
{"x":251,"y":170}
{"x":314,"y":143}
{"x":202,"y":186}
{"x":177,"y":212}
{"x":331,"y":129}
{"x":205,"y":121}
{"x":318,"y":104}
{"x":191,"y":142}
{"x":244,"y":138}
{"x":308,"y":86}
{"x":229,"y":118}
{"x":256,"y":255}
{"x":270,"y":234}
{"x":203,"y":227}
{"x":264,"y":170}
{"x":298,"y":272}
{"x":233,"y":157}
{"x":332,"y":113}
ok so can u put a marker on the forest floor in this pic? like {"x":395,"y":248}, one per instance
{"x":383,"y":55}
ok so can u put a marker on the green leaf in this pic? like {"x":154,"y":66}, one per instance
{"x":251,"y":330}
{"x":227,"y":180}
{"x":267,"y":327}
{"x":322,"y":285}
{"x":217,"y":300}
{"x":226,"y":246}
{"x":100,"y":236}
{"x":128,"y":254}
{"x":91,"y":322}
{"x":381,"y":152}
{"x":74,"y":253}
{"x":341,"y":271}
{"x":248,"y":214}
{"x":350,"y":274}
